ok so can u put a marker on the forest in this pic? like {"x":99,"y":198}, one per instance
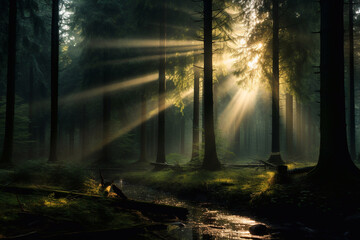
{"x":179,"y":119}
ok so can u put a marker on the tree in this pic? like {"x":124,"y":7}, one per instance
{"x":211,"y":161}
{"x":143,"y":128}
{"x":6,"y":158}
{"x":196,"y":139}
{"x":160,"y":158}
{"x":54,"y":79}
{"x":275,"y":156}
{"x":334,"y":159}
{"x":352,"y":147}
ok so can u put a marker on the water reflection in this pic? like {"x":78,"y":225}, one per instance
{"x":203,"y":222}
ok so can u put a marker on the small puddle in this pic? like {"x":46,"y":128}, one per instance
{"x":203,"y":222}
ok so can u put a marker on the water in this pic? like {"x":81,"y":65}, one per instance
{"x":204,"y":222}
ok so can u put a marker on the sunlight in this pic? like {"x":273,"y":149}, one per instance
{"x":191,"y":52}
{"x":110,"y":88}
{"x":141,"y":43}
{"x":133,"y":124}
{"x":87,"y":94}
{"x":240,"y":105}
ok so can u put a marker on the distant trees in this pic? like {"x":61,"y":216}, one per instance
{"x":54,"y":80}
{"x":6,"y":158}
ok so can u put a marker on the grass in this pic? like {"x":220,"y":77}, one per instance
{"x":227,"y":186}
{"x":25,"y":213}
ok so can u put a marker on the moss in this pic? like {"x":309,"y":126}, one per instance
{"x":227,"y":185}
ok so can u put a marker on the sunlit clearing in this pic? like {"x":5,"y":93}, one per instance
{"x":151,"y":58}
{"x":240,"y":105}
{"x":110,"y":88}
{"x":140,"y":43}
{"x":127,"y":128}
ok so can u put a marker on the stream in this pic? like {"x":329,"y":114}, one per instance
{"x":203,"y":223}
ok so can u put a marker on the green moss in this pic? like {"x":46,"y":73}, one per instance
{"x":229,"y":185}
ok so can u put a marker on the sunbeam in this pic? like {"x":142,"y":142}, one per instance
{"x":140,"y":43}
{"x":133,"y":124}
{"x":240,"y":105}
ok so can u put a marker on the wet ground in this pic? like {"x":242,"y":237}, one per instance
{"x":204,"y":221}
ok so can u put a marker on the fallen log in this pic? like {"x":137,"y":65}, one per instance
{"x":128,"y":233}
{"x":268,"y":164}
{"x":246,"y":165}
{"x":118,"y":192}
{"x":160,"y":166}
{"x":144,"y":207}
{"x":301,"y":170}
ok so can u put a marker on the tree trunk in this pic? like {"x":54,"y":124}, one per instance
{"x":352,"y":144}
{"x":106,"y":101}
{"x":334,"y":159}
{"x":289,"y":124}
{"x":275,"y":156}
{"x":31,"y":120}
{"x":143,"y":128}
{"x":160,"y":158}
{"x":6,"y":158}
{"x":71,"y":139}
{"x":84,"y":133}
{"x":211,"y":161}
{"x":54,"y":79}
{"x":182,"y":135}
{"x":196,"y":137}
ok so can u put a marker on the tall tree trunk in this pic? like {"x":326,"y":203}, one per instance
{"x":334,"y":159}
{"x":6,"y":158}
{"x":289,"y":124}
{"x":143,"y":128}
{"x":160,"y":158}
{"x":182,"y":135}
{"x":211,"y":161}
{"x":275,"y":156}
{"x":352,"y":144}
{"x":106,"y":101}
{"x":84,"y":132}
{"x":54,"y":79}
{"x":196,"y":137}
{"x":71,"y":139}
{"x":31,"y":120}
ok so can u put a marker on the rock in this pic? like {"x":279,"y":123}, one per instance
{"x":259,"y":229}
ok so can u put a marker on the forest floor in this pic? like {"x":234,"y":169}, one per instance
{"x":252,"y":192}
{"x":34,"y":206}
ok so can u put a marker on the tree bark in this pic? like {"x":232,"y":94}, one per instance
{"x":275,"y":156}
{"x":182,"y":135}
{"x":71,"y":139}
{"x":31,"y":120}
{"x":106,"y":101}
{"x":54,"y":80}
{"x":84,"y":132}
{"x":196,"y":137}
{"x":6,"y":158}
{"x":143,"y":128}
{"x":334,"y":160}
{"x":211,"y":161}
{"x":352,"y":144}
{"x":160,"y":158}
{"x":289,"y":124}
